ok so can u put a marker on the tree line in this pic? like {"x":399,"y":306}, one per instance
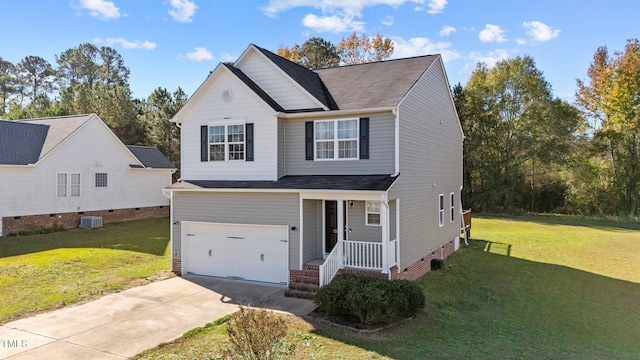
{"x":527,"y":150}
{"x":88,"y":79}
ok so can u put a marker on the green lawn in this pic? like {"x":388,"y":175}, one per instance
{"x":44,"y":272}
{"x":528,"y":288}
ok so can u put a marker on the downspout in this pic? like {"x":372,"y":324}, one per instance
{"x":396,"y":130}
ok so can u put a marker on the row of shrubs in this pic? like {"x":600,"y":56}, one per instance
{"x":371,"y":300}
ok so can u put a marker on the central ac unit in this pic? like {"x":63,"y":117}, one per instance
{"x":90,"y":222}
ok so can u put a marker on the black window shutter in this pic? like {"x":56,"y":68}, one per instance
{"x":249,"y":141}
{"x":364,"y":138}
{"x":308,"y":140}
{"x":204,"y":143}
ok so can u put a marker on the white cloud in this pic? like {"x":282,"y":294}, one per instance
{"x":492,"y":33}
{"x":436,"y":6}
{"x":388,"y":20}
{"x":182,"y":10}
{"x":336,"y":15}
{"x":521,"y":41}
{"x":423,"y":46}
{"x":447,"y":30}
{"x":490,"y":59}
{"x":199,"y":54}
{"x":100,"y":8}
{"x":332,"y":23}
{"x":127,"y":44}
{"x":540,"y":31}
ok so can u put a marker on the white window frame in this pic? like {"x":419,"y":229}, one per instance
{"x":336,"y":140}
{"x":227,"y":143}
{"x":61,"y":186}
{"x":102,"y":182}
{"x":368,"y":212}
{"x":441,"y":210}
{"x":74,"y":185}
{"x":452,"y":207}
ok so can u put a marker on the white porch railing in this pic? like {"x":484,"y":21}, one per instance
{"x":331,"y":265}
{"x":363,"y":255}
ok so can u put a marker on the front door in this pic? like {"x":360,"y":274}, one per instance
{"x":331,"y":224}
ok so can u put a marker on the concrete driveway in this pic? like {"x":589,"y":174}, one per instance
{"x":121,"y":325}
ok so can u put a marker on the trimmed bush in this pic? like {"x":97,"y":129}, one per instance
{"x":255,"y":334}
{"x":371,"y":300}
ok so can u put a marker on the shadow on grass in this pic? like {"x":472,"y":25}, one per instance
{"x":491,"y":306}
{"x":149,"y":236}
{"x":570,"y":220}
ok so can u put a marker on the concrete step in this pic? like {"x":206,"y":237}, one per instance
{"x":300,"y":286}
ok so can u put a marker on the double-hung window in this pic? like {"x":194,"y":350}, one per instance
{"x":62,"y":184}
{"x":452,"y":209}
{"x":373,"y":213}
{"x":336,"y":139}
{"x":68,"y":184}
{"x":441,"y":210}
{"x":226,"y":142}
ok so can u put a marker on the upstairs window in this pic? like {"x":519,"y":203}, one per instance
{"x":226,"y":142}
{"x":336,"y":139}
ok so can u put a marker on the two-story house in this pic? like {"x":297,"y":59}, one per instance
{"x":289,"y":173}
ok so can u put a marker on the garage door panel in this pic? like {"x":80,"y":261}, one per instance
{"x":251,"y":252}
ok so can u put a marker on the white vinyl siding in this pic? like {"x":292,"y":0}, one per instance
{"x":336,"y":139}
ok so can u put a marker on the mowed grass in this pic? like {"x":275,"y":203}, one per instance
{"x":45,"y":272}
{"x":527,"y":288}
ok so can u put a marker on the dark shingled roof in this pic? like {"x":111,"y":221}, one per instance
{"x":376,"y":84}
{"x":308,"y":79}
{"x":21,"y":143}
{"x":150,"y":157}
{"x":253,"y":86}
{"x":303,"y":182}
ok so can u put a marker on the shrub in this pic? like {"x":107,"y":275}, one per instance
{"x":371,"y":300}
{"x":254,"y":334}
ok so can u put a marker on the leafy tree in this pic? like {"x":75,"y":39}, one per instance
{"x":611,"y":98}
{"x":8,"y":84}
{"x":78,"y":65}
{"x":317,"y":53}
{"x":516,"y":135}
{"x":112,"y":70}
{"x":363,"y":49}
{"x":36,"y":75}
{"x":290,"y":53}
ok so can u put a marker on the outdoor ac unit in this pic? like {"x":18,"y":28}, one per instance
{"x":90,"y":222}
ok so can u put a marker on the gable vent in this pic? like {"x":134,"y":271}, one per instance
{"x":227,"y":95}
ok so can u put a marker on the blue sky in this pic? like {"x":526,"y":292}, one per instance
{"x":175,"y":43}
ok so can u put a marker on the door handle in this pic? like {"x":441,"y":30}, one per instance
{"x":335,"y":231}
{"x":209,"y":252}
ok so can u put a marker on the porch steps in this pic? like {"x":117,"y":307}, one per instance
{"x":304,"y":283}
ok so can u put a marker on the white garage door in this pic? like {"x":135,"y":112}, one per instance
{"x":249,"y":252}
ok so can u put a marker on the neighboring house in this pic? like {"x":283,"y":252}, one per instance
{"x":289,"y":173}
{"x":55,"y":170}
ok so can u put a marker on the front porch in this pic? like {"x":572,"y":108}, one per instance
{"x":354,"y":232}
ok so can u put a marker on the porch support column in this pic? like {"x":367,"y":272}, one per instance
{"x":384,"y":221}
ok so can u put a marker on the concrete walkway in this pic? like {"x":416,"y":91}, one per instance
{"x":121,"y":325}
